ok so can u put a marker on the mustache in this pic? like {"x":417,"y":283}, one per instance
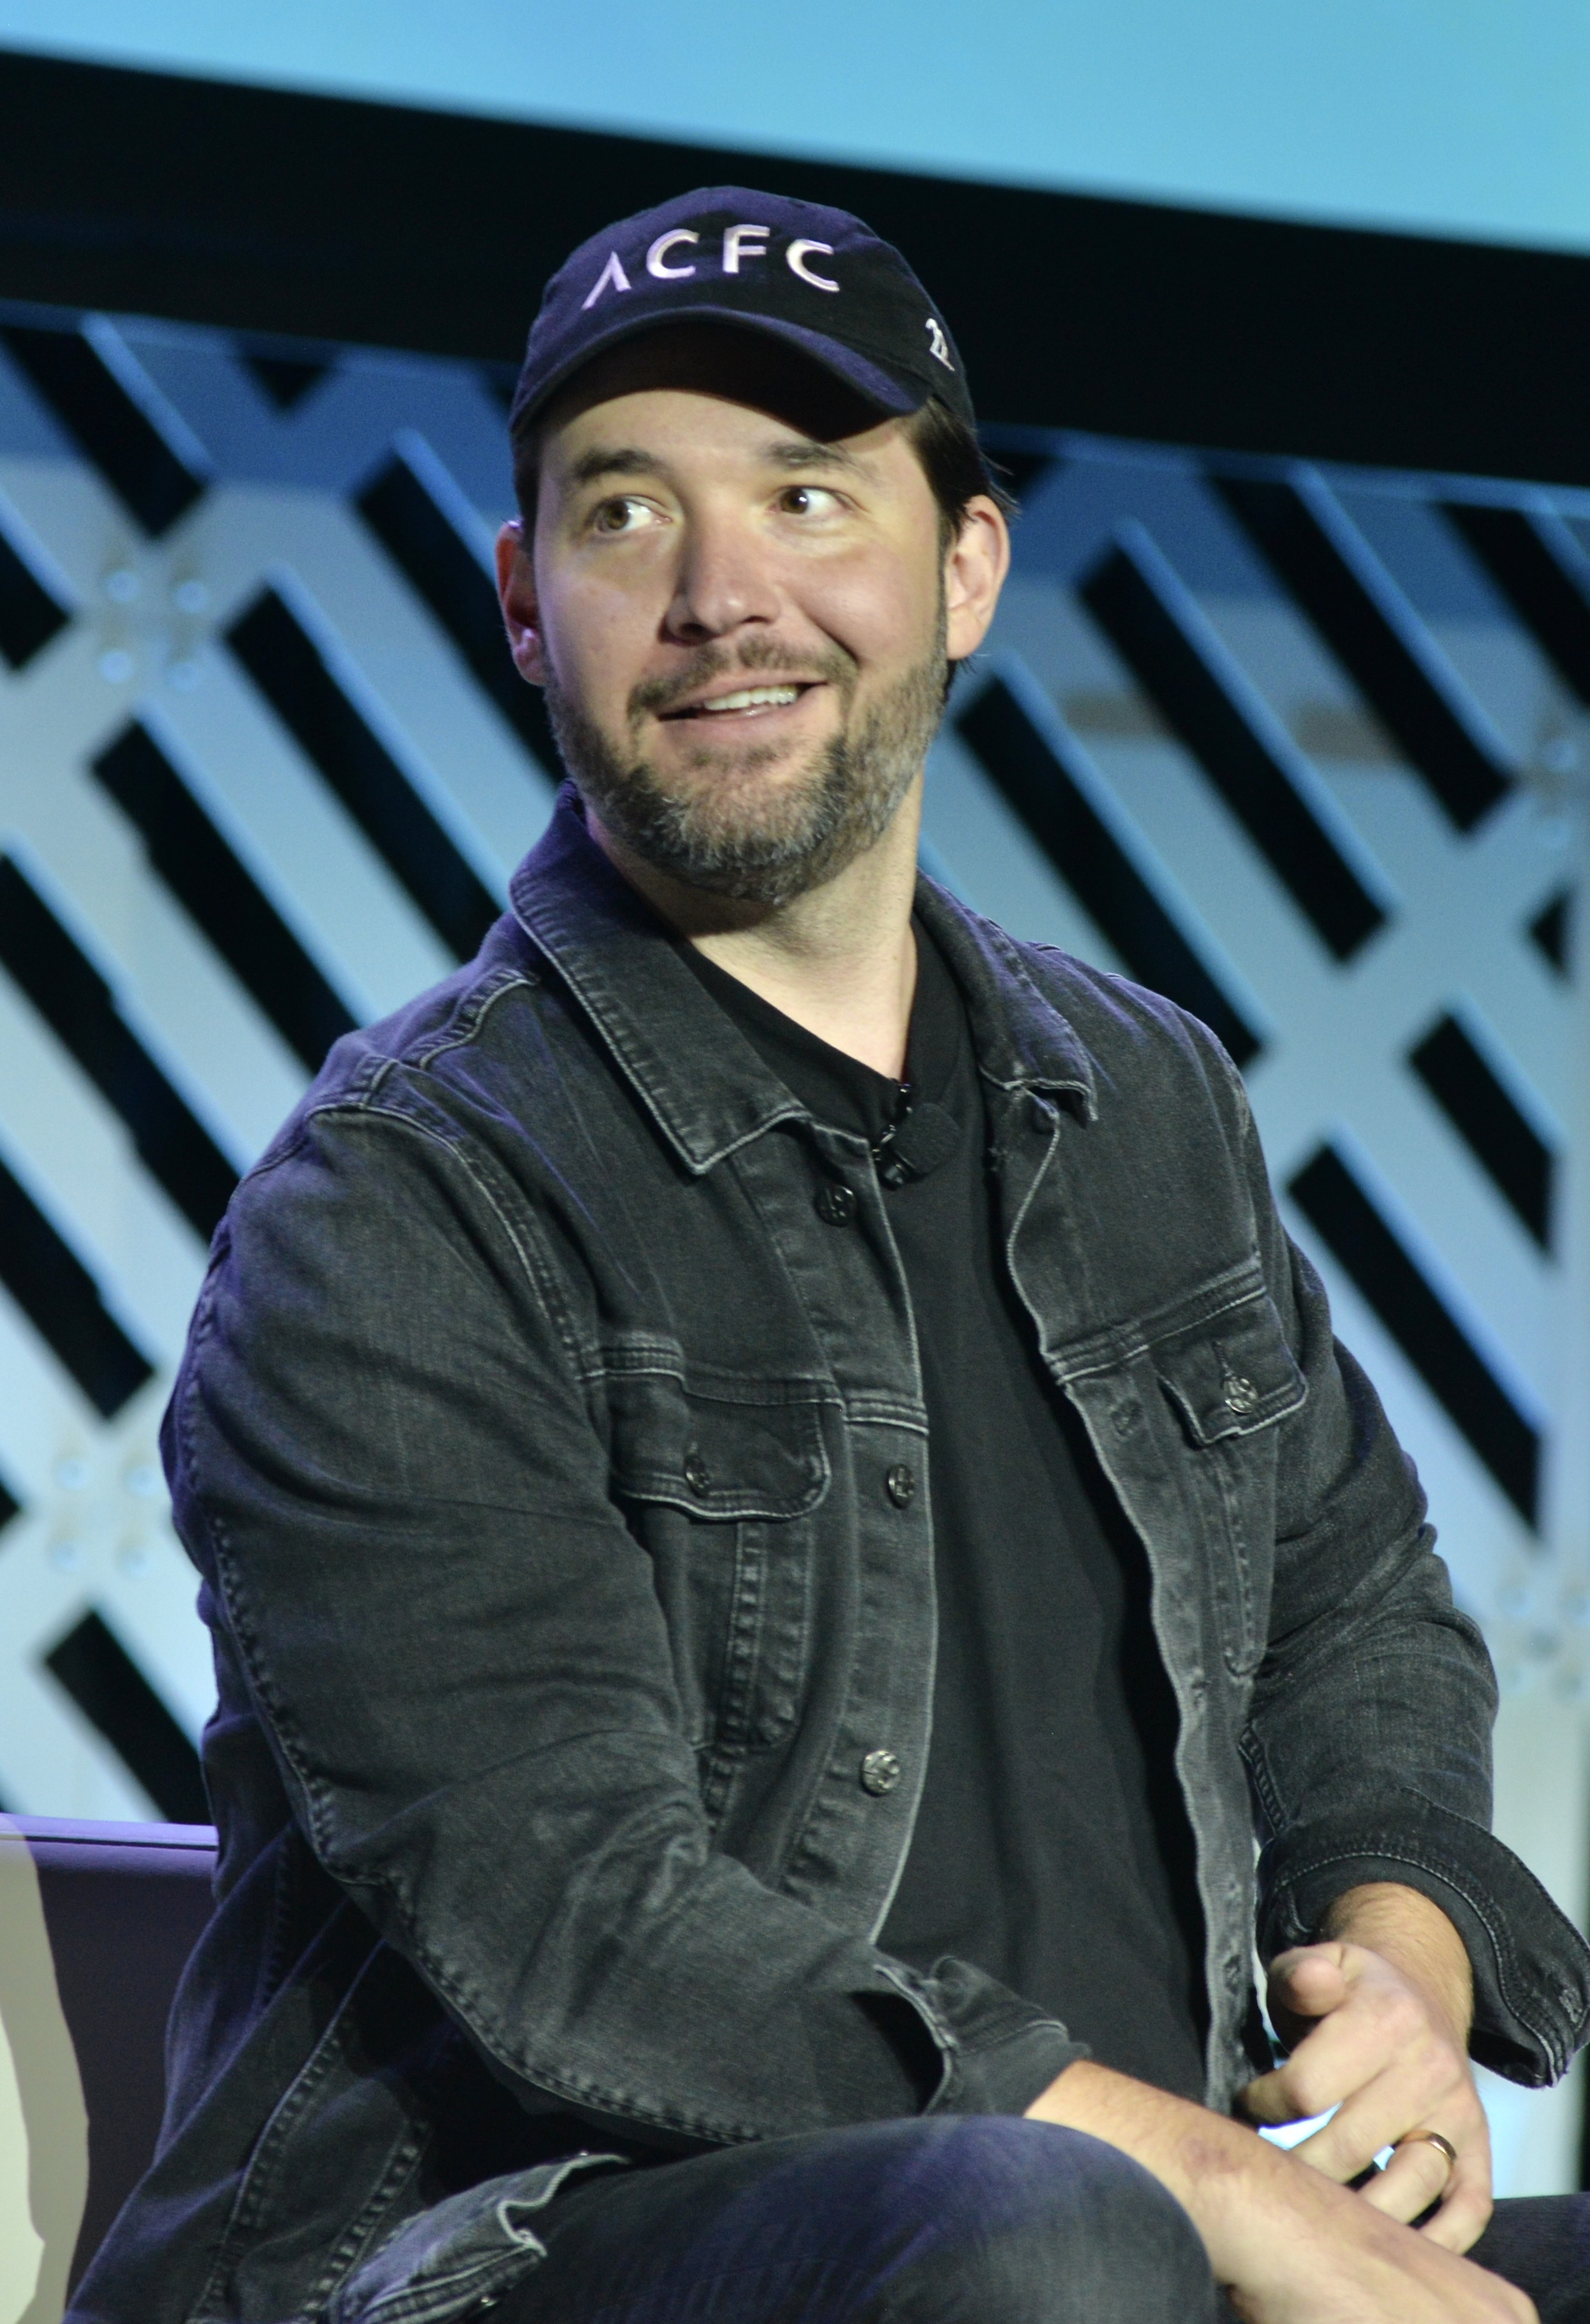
{"x":654,"y":696}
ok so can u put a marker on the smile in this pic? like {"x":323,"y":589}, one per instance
{"x":747,"y":701}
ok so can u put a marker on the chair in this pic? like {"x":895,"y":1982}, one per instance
{"x":95,"y":1923}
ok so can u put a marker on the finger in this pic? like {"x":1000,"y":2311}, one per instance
{"x":1417,"y":2175}
{"x":1464,"y":2216}
{"x":1371,"y":2120}
{"x":1269,"y":2099}
{"x":1338,"y":2057}
{"x":1308,"y":1983}
{"x":1465,"y":2203}
{"x":1379,"y":2117}
{"x":1343,"y":2156}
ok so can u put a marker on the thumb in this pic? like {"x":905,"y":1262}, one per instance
{"x":1310,"y":1981}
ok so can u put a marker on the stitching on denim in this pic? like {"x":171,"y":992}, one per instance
{"x":525,"y":1237}
{"x":788,"y":1109}
{"x":359,"y":2234}
{"x":1256,"y":1760}
{"x":741,"y":1733}
{"x":1453,"y":1876}
{"x":1018,"y":961}
{"x":465,"y":1022}
{"x":468,"y":2002}
{"x":412,"y":2303}
{"x":1238,"y":1286}
{"x":441,"y":2297}
{"x":253,"y":2188}
{"x":665,"y":1360}
{"x":286,"y":1884}
{"x":227,"y":1580}
{"x":352,"y":2246}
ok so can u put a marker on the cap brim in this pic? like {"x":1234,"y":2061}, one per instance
{"x":882,"y":390}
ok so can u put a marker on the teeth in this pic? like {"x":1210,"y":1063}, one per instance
{"x":753,"y":698}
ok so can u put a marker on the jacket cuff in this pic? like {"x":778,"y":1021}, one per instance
{"x":1531,"y":1968}
{"x":998,"y":2052}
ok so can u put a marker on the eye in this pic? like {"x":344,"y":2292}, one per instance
{"x":807,"y":499}
{"x":624,"y":513}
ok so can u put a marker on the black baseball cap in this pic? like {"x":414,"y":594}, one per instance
{"x":817,"y":279}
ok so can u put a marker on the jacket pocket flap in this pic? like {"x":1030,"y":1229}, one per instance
{"x":1233,"y":1374}
{"x":757,"y":1452}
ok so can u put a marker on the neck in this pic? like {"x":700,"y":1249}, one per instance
{"x":841,"y":960}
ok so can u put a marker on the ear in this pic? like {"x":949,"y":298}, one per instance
{"x":975,"y":569}
{"x":516,"y":593}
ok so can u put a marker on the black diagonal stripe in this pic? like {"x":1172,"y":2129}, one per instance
{"x":29,"y":615}
{"x":1506,"y":1144}
{"x":113,"y":1694}
{"x":286,"y":379}
{"x":61,"y":1301}
{"x":212,"y":886}
{"x":118,"y":436}
{"x":1373,"y":631}
{"x":1256,"y":771}
{"x":422,"y":540}
{"x":292,"y":674}
{"x":1052,"y":801}
{"x":1331,"y":1198}
{"x":1540,"y":568}
{"x":1551,"y":931}
{"x":77,"y":1005}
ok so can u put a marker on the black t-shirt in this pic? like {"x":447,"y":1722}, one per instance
{"x":1051,"y":1848}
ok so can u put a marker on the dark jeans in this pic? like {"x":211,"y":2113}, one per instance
{"x":972,"y":2219}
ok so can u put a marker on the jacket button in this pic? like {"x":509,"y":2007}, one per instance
{"x":697,"y":1475}
{"x":1241,"y":1394}
{"x":836,"y":1204}
{"x":900,"y":1483}
{"x":879,"y":1771}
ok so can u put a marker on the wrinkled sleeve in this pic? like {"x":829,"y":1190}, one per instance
{"x":386,"y":1467}
{"x":1369,"y":1746}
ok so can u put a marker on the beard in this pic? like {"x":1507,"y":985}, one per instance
{"x":715,"y":826}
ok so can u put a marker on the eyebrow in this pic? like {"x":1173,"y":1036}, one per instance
{"x":807,"y":453}
{"x":613,"y":460}
{"x":604,"y":461}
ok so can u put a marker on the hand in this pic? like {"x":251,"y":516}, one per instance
{"x":1379,"y":2030}
{"x":1289,"y":2247}
{"x":1387,"y":2275}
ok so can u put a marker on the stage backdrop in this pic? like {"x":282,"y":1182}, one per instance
{"x":1304,"y":750}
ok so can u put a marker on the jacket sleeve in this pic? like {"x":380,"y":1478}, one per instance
{"x":386,"y":1467}
{"x":1369,"y":1746}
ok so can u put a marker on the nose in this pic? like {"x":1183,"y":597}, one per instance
{"x":723,"y":581}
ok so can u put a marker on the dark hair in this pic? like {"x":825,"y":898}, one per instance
{"x":955,"y":465}
{"x":953,"y":461}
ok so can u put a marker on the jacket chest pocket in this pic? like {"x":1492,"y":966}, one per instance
{"x":719,"y":1479}
{"x":1230,"y":1382}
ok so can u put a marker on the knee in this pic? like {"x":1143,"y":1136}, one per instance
{"x":1026,"y":2222}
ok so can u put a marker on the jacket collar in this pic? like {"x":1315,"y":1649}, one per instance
{"x":706,"y":1087}
{"x":1022,"y":1039}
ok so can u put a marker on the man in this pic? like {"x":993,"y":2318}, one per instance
{"x":770,"y":1492}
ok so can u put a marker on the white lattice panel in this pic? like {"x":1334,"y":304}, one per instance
{"x":300,"y":776}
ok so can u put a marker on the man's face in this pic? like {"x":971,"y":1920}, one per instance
{"x":737,"y":604}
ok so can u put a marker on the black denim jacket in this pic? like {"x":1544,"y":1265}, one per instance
{"x":534,"y":1442}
